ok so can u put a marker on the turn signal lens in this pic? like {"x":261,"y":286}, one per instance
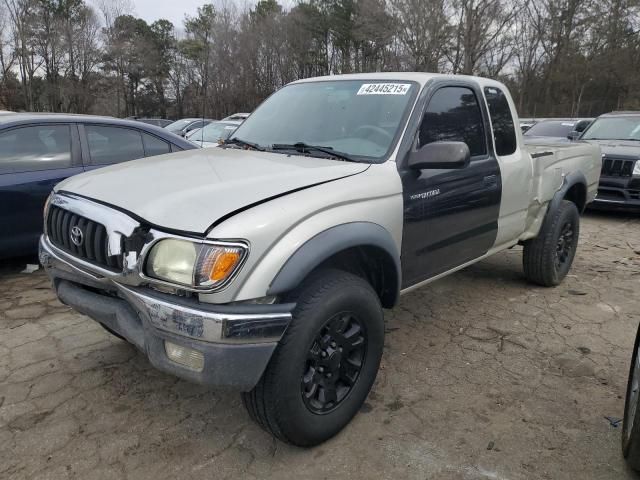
{"x":216,"y":264}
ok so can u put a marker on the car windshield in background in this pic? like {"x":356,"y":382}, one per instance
{"x":178,"y":125}
{"x":551,"y":129}
{"x":215,"y":132}
{"x":360,"y":118}
{"x":614,"y":128}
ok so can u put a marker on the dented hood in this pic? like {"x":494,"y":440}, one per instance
{"x":191,"y":190}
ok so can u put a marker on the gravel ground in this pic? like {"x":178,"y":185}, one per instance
{"x":483,"y":377}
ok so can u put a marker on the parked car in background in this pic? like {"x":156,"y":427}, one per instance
{"x":554,"y":130}
{"x":184,"y":126}
{"x":39,"y":150}
{"x":213,"y":134}
{"x":158,"y":122}
{"x":618,"y":134}
{"x":631,"y":422}
{"x":237,"y":116}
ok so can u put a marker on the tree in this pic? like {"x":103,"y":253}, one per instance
{"x":424,"y":31}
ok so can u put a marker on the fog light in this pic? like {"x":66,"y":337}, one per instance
{"x":187,"y":357}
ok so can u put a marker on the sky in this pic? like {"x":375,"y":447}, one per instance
{"x":175,"y":10}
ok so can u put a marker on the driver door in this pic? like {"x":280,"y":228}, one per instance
{"x":450,"y":215}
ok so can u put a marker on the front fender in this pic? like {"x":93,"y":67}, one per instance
{"x":330,"y":242}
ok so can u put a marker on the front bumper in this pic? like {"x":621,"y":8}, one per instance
{"x":236,"y":341}
{"x":616,"y":197}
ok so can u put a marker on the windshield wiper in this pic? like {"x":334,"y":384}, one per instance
{"x":242,"y":143}
{"x":306,"y":148}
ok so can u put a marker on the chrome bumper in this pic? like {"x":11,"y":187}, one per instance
{"x":243,"y":323}
{"x":235,"y":342}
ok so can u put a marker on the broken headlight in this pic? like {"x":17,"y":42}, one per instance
{"x":192,"y":264}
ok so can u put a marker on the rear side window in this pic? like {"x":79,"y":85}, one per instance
{"x":504,"y":131}
{"x":109,"y":145}
{"x":454,"y":115}
{"x":29,"y":149}
{"x":154,"y":146}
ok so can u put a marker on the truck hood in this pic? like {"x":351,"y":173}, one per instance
{"x":622,"y":148}
{"x":191,"y":190}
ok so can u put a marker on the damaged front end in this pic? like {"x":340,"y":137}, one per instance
{"x":97,"y":257}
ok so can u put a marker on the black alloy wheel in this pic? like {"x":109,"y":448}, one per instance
{"x":565,"y":246}
{"x":334,"y":362}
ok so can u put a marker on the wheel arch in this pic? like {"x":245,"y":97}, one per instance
{"x":574,"y":189}
{"x":364,"y":248}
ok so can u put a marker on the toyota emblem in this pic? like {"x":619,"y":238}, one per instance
{"x":77,"y":237}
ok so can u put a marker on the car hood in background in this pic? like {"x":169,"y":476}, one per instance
{"x":191,"y":190}
{"x":621,"y":148}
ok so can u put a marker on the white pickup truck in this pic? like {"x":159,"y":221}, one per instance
{"x":265,"y":265}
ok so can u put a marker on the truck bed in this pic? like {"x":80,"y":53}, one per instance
{"x":551,"y":163}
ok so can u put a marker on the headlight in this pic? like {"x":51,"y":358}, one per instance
{"x":198,"y":265}
{"x":636,"y":169}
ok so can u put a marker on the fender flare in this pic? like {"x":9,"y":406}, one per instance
{"x":572,"y":179}
{"x":330,"y":242}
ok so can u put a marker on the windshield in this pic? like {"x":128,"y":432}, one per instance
{"x":178,"y":125}
{"x":359,"y":118}
{"x":614,"y":128}
{"x":551,"y":129}
{"x":214,"y":132}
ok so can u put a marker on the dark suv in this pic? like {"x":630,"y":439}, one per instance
{"x":618,"y":134}
{"x":39,"y":150}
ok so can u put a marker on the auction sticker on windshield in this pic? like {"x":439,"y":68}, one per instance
{"x":384,"y":89}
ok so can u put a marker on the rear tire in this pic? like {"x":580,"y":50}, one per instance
{"x":631,"y":422}
{"x":548,"y":258}
{"x":325,"y":364}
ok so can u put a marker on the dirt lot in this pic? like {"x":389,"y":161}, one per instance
{"x":484,"y":377}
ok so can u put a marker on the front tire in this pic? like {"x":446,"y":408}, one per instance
{"x":325,"y":364}
{"x":631,"y":422}
{"x":548,"y":257}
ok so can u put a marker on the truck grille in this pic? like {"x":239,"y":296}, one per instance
{"x":616,"y":167}
{"x":91,"y":243}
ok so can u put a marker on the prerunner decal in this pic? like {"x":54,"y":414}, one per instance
{"x":384,"y":89}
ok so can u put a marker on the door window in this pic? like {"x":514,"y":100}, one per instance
{"x":29,"y":149}
{"x":154,"y":146}
{"x":453,"y":114}
{"x":109,"y":145}
{"x":504,"y":131}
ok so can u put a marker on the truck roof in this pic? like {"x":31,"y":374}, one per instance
{"x":419,"y":77}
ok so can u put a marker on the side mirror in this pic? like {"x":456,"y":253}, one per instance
{"x":441,"y":155}
{"x":573,"y":135}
